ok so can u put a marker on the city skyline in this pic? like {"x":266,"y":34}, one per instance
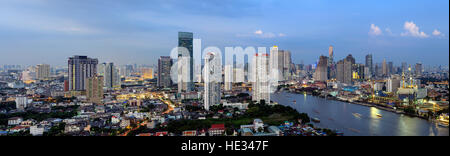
{"x":36,"y":32}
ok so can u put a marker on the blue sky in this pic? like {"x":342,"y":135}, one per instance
{"x":139,"y":31}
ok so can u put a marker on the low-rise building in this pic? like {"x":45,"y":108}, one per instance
{"x":15,"y":121}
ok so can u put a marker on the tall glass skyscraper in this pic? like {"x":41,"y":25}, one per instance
{"x":185,"y":62}
{"x":369,"y":63}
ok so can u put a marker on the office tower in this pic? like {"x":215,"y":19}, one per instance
{"x":280,"y":60}
{"x":390,"y":68}
{"x":358,"y":71}
{"x":322,"y":68}
{"x":287,"y":65}
{"x":185,"y":62}
{"x":260,"y":77}
{"x":345,"y":70}
{"x":229,"y":77}
{"x":419,"y":69}
{"x":404,"y":67}
{"x":80,"y":68}
{"x":367,"y":74}
{"x":385,"y":68}
{"x":111,"y":76}
{"x":369,"y":65}
{"x":94,"y":89}
{"x":212,"y":76}
{"x":331,"y":73}
{"x":42,"y":71}
{"x":331,"y":56}
{"x":164,"y":67}
{"x":340,"y":71}
{"x":393,"y":83}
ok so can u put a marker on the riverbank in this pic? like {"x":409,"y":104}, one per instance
{"x":365,"y":104}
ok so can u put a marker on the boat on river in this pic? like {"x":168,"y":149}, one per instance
{"x":317,"y":120}
{"x":357,"y":115}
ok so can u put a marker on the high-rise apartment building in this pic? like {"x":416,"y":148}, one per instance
{"x":393,"y":83}
{"x":80,"y":68}
{"x":42,"y":72}
{"x":164,"y":67}
{"x":111,"y":76}
{"x":280,"y":60}
{"x":260,"y":78}
{"x":212,"y":77}
{"x":94,"y":89}
{"x":321,"y":73}
{"x":345,"y":70}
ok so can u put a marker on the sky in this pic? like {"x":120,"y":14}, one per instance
{"x":139,"y":31}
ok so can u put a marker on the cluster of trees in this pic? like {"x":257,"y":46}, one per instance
{"x":8,"y":105}
{"x":148,"y":108}
{"x":262,"y":109}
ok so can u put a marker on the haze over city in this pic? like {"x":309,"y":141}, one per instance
{"x":49,"y":31}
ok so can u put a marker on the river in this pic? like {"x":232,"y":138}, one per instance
{"x":343,"y":117}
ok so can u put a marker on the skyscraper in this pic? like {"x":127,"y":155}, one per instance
{"x":331,"y":69}
{"x":111,"y":76}
{"x":260,"y":77}
{"x":385,"y":68}
{"x":321,"y":70}
{"x":212,"y":76}
{"x":330,"y":56}
{"x":42,"y":71}
{"x":94,"y":89}
{"x":185,"y":62}
{"x":80,"y":68}
{"x":404,"y":67}
{"x":418,"y":69}
{"x":390,"y":68}
{"x":229,"y":77}
{"x":369,"y":65}
{"x":393,"y":83}
{"x":164,"y":67}
{"x":281,"y":60}
{"x":287,"y":65}
{"x":345,"y":70}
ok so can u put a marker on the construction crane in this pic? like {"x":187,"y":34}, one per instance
{"x":373,"y":87}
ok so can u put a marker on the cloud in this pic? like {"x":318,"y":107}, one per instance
{"x":413,"y":30}
{"x":437,"y":33}
{"x":374,"y":30}
{"x":261,"y":34}
{"x":258,"y":32}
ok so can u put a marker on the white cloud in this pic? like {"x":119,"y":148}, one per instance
{"x":437,"y":33}
{"x":258,"y":32}
{"x":261,"y":34}
{"x":413,"y":30}
{"x":374,"y":30}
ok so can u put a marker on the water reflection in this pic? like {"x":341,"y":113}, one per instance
{"x":371,"y":121}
